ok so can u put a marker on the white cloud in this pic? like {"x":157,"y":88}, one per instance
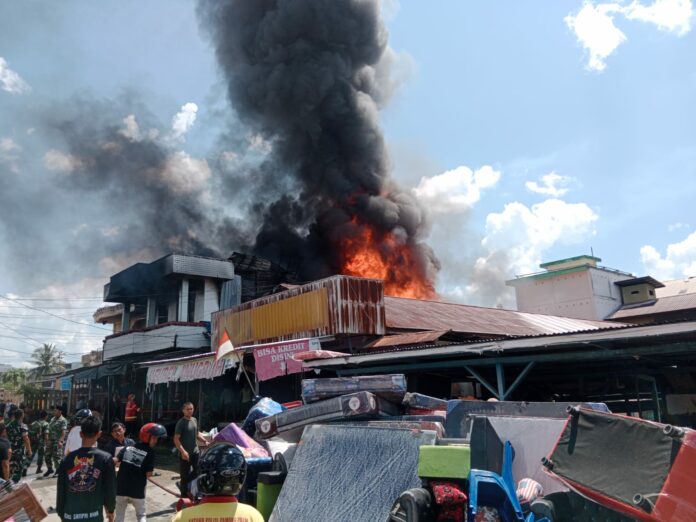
{"x":594,"y":27}
{"x":595,"y":30}
{"x":515,"y":242}
{"x":552,"y":184}
{"x":131,"y":128}
{"x":185,"y":173}
{"x":58,"y":161}
{"x":455,"y":190}
{"x":184,"y":119}
{"x":10,"y":81}
{"x":258,"y":143}
{"x":677,"y":226}
{"x":229,"y":157}
{"x":673,"y":16}
{"x":678,"y":261}
{"x":74,"y":303}
{"x":9,"y":153}
{"x":529,"y":232}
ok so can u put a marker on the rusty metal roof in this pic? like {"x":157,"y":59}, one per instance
{"x":674,"y":303}
{"x":415,"y":314}
{"x":416,"y":338}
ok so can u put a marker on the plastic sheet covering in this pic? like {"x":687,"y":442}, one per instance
{"x":349,"y":473}
{"x":234,"y":434}
{"x":459,"y":420}
{"x":289,"y":424}
{"x":264,"y":408}
{"x":532,"y":439}
{"x":640,"y":468}
{"x":390,"y":387}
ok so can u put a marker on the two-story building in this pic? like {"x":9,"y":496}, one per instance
{"x":157,"y":310}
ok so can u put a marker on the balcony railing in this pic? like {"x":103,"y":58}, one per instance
{"x":178,"y":335}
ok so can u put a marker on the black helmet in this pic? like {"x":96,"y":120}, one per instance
{"x":83,"y":413}
{"x":222,"y":470}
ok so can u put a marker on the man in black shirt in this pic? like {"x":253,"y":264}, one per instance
{"x":5,"y":453}
{"x":86,"y":483}
{"x":136,"y":464}
{"x":118,"y":439}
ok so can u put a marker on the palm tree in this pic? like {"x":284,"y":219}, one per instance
{"x":48,"y":359}
{"x":13,"y":378}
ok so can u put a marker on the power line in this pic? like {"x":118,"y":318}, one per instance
{"x":54,"y":315}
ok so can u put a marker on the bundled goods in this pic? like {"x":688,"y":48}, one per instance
{"x":342,"y":473}
{"x":420,"y":402}
{"x":389,"y":387}
{"x":637,"y":467}
{"x":21,"y":498}
{"x":264,"y":408}
{"x":234,"y":434}
{"x":289,"y":424}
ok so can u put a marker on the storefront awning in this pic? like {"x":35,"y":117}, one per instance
{"x":103,"y":370}
{"x":185,"y":369}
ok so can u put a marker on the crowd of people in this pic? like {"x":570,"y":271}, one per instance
{"x":96,"y":479}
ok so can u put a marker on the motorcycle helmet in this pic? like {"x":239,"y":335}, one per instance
{"x":222,"y":470}
{"x":152,"y":429}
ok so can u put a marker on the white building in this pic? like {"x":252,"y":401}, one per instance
{"x":576,"y":287}
{"x":166,"y":304}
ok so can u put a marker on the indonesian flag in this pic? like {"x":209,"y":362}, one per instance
{"x":225,"y":347}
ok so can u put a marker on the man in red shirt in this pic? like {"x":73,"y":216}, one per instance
{"x":131,"y":416}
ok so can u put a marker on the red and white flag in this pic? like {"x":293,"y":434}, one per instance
{"x":225,"y":347}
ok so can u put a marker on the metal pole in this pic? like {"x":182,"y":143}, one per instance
{"x":500,"y":377}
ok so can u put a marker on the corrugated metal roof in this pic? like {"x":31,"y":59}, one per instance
{"x":677,"y":287}
{"x":417,"y":338}
{"x":674,"y":303}
{"x":473,"y":349}
{"x":338,"y":305}
{"x":415,"y":314}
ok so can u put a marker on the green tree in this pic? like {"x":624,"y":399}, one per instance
{"x":13,"y":378}
{"x":48,"y":359}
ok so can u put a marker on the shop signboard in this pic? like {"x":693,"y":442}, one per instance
{"x":275,"y":359}
{"x":206,"y":368}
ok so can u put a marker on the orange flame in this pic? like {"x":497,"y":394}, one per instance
{"x":369,"y":255}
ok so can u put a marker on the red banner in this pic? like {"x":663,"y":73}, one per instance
{"x":275,"y":359}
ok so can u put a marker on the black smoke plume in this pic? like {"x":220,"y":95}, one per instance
{"x":309,"y":76}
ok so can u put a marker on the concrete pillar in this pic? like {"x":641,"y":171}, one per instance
{"x":183,"y":300}
{"x":211,"y":299}
{"x":171,"y":311}
{"x":151,"y":312}
{"x":125,"y":317}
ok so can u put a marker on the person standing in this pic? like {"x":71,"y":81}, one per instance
{"x":136,"y":464}
{"x":38,"y":436}
{"x":186,"y":437}
{"x":131,"y":415}
{"x":118,"y":439}
{"x":5,"y":453}
{"x":86,"y":479}
{"x":73,"y":441}
{"x":223,"y":471}
{"x":57,"y":428}
{"x":18,"y":434}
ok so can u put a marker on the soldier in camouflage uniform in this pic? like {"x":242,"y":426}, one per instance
{"x":56,"y":436}
{"x":38,"y":436}
{"x":17,"y":432}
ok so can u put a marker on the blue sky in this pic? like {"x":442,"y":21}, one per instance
{"x":532,"y":131}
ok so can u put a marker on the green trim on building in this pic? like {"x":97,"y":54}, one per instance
{"x":546,"y":275}
{"x":569,"y":259}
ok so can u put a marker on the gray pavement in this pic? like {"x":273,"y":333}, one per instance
{"x":160,"y":504}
